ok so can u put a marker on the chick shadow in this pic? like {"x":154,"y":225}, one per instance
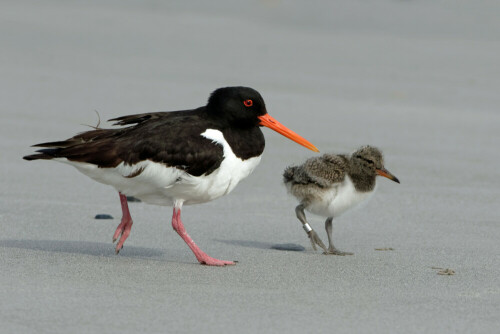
{"x":82,"y":247}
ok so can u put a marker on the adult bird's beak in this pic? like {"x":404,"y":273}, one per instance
{"x":267,"y":121}
{"x":384,"y":172}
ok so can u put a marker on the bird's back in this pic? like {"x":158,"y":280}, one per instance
{"x":161,"y":137}
{"x":311,"y":181}
{"x":323,"y":171}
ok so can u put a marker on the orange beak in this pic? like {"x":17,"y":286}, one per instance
{"x":385,"y":173}
{"x":271,"y":123}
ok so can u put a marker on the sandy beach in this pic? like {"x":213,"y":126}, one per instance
{"x":419,"y":79}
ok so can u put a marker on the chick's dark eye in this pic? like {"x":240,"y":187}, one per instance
{"x":365,"y":159}
{"x":248,"y":103}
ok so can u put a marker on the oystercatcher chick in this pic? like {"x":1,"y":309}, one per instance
{"x":332,"y":184}
{"x":175,"y":158}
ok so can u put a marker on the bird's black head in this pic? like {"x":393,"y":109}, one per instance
{"x":239,"y":106}
{"x":244,"y":108}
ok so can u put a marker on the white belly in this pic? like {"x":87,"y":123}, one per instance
{"x":161,"y":185}
{"x":339,"y":199}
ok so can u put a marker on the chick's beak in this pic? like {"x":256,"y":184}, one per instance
{"x":268,"y":121}
{"x":384,"y":172}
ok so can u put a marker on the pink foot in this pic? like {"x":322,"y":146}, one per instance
{"x":123,"y":230}
{"x":210,"y":261}
{"x":201,"y":256}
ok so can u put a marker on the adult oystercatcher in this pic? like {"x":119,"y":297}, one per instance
{"x":332,"y":184}
{"x":175,"y":158}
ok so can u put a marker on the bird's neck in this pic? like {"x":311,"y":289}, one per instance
{"x":362,"y":181}
{"x":245,"y":143}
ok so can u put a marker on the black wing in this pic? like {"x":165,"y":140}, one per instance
{"x":140,"y":118}
{"x":171,"y":138}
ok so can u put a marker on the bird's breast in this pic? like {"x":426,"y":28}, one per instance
{"x":339,"y":199}
{"x":221,"y":181}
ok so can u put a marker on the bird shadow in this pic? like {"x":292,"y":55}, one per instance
{"x":263,"y":245}
{"x":80,"y":247}
{"x":247,"y":243}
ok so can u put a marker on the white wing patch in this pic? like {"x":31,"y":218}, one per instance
{"x":232,"y":169}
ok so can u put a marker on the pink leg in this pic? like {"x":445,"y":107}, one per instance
{"x":201,"y":256}
{"x":125,"y":226}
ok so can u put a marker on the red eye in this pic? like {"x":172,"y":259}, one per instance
{"x":248,"y":103}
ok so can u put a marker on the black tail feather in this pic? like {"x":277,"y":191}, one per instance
{"x":62,"y":143}
{"x":39,"y":156}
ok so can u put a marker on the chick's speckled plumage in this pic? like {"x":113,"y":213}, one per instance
{"x":322,"y":171}
{"x":316,"y":174}
{"x":309,"y":181}
{"x":331,"y":184}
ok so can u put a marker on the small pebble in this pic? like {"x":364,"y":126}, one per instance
{"x":103,"y":216}
{"x":443,"y":271}
{"x":132,"y":199}
{"x":446,"y":271}
{"x":288,"y":247}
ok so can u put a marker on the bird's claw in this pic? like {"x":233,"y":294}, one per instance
{"x":210,"y":261}
{"x":121,"y":234}
{"x":315,"y":240}
{"x":335,"y":251}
